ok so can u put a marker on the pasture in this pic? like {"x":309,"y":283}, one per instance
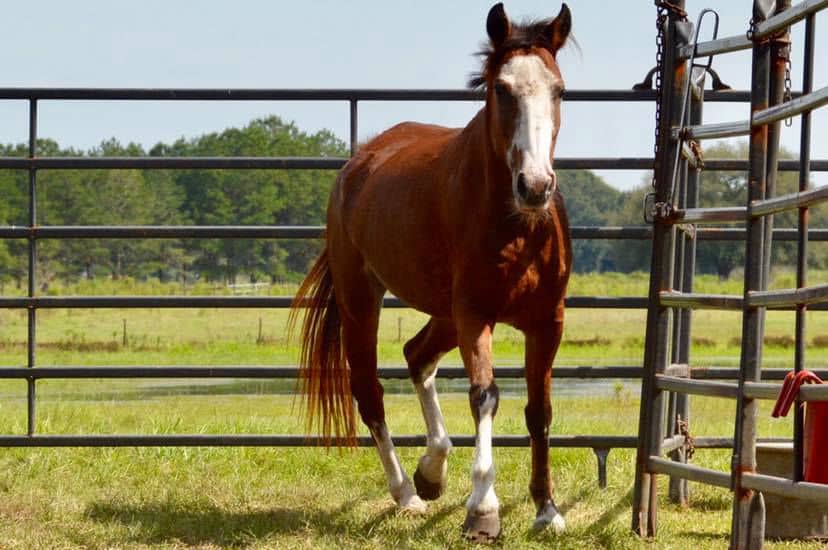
{"x":309,"y":498}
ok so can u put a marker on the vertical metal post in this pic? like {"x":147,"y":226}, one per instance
{"x":744,"y":443}
{"x":353,"y":126}
{"x":32,"y":286}
{"x":802,"y":244}
{"x":679,"y":489}
{"x":656,"y":347}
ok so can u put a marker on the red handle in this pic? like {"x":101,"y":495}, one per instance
{"x":790,"y":389}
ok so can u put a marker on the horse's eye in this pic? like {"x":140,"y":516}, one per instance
{"x":559,"y":94}
{"x":501,"y":91}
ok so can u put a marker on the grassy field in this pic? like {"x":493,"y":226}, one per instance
{"x":307,"y":498}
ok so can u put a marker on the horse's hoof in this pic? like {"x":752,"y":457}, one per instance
{"x":482,"y":528}
{"x":428,"y":490}
{"x":547,"y":516}
{"x":412,"y":505}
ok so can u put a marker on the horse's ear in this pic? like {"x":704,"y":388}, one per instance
{"x":558,"y":30}
{"x":498,"y":26}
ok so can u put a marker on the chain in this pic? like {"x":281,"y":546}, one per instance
{"x":660,"y":19}
{"x":689,"y":441}
{"x":788,"y":96}
{"x":664,"y":8}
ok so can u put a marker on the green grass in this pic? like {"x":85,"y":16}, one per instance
{"x":308,"y":498}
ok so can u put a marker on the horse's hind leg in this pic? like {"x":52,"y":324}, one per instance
{"x":422,"y":353}
{"x":541,"y":347}
{"x":360,"y":321}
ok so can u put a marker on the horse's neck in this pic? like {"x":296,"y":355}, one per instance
{"x":485,"y":174}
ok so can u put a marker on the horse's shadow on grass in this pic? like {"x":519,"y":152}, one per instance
{"x":156,"y":523}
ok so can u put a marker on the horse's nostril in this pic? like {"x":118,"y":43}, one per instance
{"x":521,"y":185}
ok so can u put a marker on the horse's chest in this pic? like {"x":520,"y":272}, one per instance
{"x":532,"y":275}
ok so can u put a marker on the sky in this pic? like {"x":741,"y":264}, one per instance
{"x":338,"y":44}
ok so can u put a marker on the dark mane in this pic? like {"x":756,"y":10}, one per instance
{"x":523,"y":35}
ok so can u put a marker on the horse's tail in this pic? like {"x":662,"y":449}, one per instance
{"x":325,"y":383}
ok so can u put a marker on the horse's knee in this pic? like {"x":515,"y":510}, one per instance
{"x":484,"y":400}
{"x":538,"y":418}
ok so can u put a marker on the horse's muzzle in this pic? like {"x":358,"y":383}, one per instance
{"x":535,"y":192}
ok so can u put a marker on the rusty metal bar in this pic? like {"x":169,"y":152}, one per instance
{"x":788,"y":297}
{"x":799,"y":199}
{"x":788,"y":17}
{"x":656,"y":352}
{"x":714,"y":130}
{"x":816,"y":492}
{"x":809,"y":102}
{"x":689,"y":472}
{"x":724,"y":214}
{"x":715,"y":47}
{"x":697,"y":387}
{"x":672,"y":298}
{"x":744,"y":452}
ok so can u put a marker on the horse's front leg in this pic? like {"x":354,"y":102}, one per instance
{"x":482,"y":522}
{"x":541,"y":345}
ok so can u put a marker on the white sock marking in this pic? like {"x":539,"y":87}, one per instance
{"x":483,"y":499}
{"x":400,"y":487}
{"x":432,"y":465}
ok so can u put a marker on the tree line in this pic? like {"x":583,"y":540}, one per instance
{"x":278,"y":197}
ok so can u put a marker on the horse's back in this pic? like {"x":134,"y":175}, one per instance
{"x":394,"y":186}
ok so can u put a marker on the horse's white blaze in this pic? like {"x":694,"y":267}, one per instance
{"x":432,"y":465}
{"x":483,"y":499}
{"x":400,"y":487}
{"x":535,"y":89}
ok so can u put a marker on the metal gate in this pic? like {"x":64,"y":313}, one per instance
{"x":671,"y":297}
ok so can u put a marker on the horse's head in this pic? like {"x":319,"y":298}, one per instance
{"x":523,"y":98}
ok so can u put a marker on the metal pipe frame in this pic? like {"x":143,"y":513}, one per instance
{"x":335,"y":163}
{"x":715,"y":47}
{"x":788,"y":17}
{"x":791,"y":201}
{"x":656,"y":344}
{"x":673,"y":298}
{"x":744,"y":452}
{"x":808,"y":102}
{"x":385,"y":373}
{"x":802,"y":245}
{"x":131,"y":302}
{"x":713,"y":131}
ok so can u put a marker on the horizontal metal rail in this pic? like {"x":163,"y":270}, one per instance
{"x":247,"y":232}
{"x":634,"y":232}
{"x":761,"y":390}
{"x":803,"y":490}
{"x":267,"y":440}
{"x":723,"y":214}
{"x":257,"y":440}
{"x":266,"y":163}
{"x":129,"y":302}
{"x":334,"y":163}
{"x":713,"y":131}
{"x":709,"y":388}
{"x":672,"y":298}
{"x":788,"y":17}
{"x":385,"y":373}
{"x":715,"y":47}
{"x":800,"y":199}
{"x":354,"y":94}
{"x":788,"y":297}
{"x":660,"y":465}
{"x":267,"y":372}
{"x":807,"y":102}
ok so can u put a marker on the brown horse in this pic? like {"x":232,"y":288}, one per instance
{"x":466,"y":225}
